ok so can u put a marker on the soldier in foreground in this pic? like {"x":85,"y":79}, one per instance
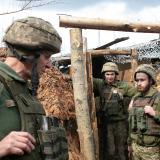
{"x":25,"y":132}
{"x":144,"y":116}
{"x":114,"y":99}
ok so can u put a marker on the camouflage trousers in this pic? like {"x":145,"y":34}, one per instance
{"x":116,"y":140}
{"x":145,"y":153}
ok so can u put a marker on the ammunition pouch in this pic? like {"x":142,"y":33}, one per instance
{"x":141,"y":120}
{"x":113,"y":105}
{"x":133,"y":120}
{"x":138,"y":120}
{"x":53,"y":141}
{"x":112,"y":108}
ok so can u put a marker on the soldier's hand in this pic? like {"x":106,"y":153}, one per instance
{"x":17,"y":143}
{"x":130,"y":149}
{"x":130,"y":105}
{"x":149,"y":110}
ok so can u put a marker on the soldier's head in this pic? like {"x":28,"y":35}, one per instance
{"x":110,"y":71}
{"x":32,"y":41}
{"x":145,"y":77}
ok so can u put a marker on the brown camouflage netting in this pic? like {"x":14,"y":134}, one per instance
{"x":56,"y":94}
{"x":3,"y":54}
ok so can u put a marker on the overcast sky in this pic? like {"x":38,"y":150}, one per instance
{"x":130,"y":10}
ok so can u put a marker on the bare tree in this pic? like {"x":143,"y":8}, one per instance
{"x":28,"y":4}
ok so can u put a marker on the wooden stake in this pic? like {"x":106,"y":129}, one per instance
{"x":91,"y":102}
{"x":80,"y":96}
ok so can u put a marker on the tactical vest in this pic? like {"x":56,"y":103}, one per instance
{"x":112,"y":103}
{"x":50,"y":144}
{"x":142,"y":123}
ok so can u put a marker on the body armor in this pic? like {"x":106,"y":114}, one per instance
{"x":112,"y":102}
{"x":140,"y":122}
{"x":32,"y":113}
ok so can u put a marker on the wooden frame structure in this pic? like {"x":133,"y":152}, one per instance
{"x":82,"y":73}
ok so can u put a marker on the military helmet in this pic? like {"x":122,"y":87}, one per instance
{"x":33,"y":33}
{"x":110,"y":66}
{"x":148,"y":69}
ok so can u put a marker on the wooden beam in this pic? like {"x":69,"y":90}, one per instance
{"x":105,"y":24}
{"x":112,"y":43}
{"x":80,"y":96}
{"x":108,"y":51}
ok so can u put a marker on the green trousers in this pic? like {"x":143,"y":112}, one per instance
{"x":116,"y":141}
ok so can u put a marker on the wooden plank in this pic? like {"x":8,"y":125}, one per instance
{"x":105,"y":24}
{"x":117,"y":40}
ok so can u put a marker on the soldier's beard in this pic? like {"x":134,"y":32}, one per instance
{"x":143,"y":89}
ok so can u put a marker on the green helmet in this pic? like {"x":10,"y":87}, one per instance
{"x":148,"y":69}
{"x":33,"y":34}
{"x":110,"y":66}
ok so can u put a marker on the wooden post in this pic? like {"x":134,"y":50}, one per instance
{"x":105,"y":24}
{"x":91,"y":102}
{"x":134,"y":62}
{"x":80,"y":96}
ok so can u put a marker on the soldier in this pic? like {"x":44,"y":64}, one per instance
{"x":114,"y":99}
{"x":25,"y":131}
{"x":144,"y":116}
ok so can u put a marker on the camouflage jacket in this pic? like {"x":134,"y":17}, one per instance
{"x":147,"y":137}
{"x":114,"y":98}
{"x":16,"y":110}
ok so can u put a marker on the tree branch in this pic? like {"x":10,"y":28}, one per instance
{"x":26,"y":7}
{"x":26,"y":4}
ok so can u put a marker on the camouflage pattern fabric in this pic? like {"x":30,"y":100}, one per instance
{"x":110,"y":66}
{"x":145,"y":153}
{"x":116,"y":137}
{"x":54,"y":143}
{"x":32,"y":34}
{"x":148,"y":69}
{"x":114,"y":128}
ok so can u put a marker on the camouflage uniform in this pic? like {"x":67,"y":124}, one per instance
{"x":145,"y":145}
{"x":114,"y":101}
{"x":9,"y":108}
{"x":143,"y":128}
{"x":19,"y":109}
